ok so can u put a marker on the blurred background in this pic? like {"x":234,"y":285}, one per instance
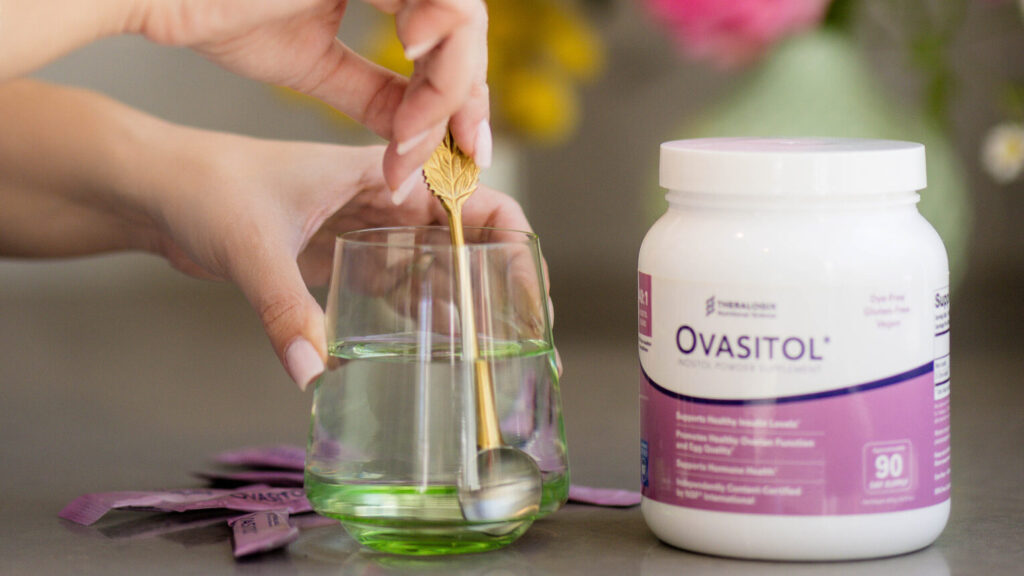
{"x":583,"y":94}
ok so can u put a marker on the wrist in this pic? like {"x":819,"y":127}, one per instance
{"x":145,"y":165}
{"x":33,"y":33}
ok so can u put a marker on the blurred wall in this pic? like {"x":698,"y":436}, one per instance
{"x":606,"y":174}
{"x":589,"y":199}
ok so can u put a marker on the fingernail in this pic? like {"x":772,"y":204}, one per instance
{"x":416,"y":51}
{"x":404,"y":147}
{"x":484,"y":144}
{"x":403,"y":191}
{"x":303,"y":362}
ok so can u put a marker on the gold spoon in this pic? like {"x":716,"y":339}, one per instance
{"x":507,"y":483}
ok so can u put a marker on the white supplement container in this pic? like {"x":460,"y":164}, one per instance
{"x":794,"y":347}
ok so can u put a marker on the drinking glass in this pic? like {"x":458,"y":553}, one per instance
{"x":394,"y":424}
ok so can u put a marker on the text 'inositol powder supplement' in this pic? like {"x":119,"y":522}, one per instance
{"x":794,"y":346}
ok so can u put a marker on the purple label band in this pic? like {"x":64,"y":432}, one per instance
{"x":897,"y":379}
{"x":881,"y":446}
{"x":644,"y":304}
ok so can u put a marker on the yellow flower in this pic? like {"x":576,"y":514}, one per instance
{"x":573,"y":45}
{"x":537,"y":51}
{"x":537,"y":103}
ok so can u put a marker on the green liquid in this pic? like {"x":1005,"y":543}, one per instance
{"x":406,"y":348}
{"x":372,"y":404}
{"x":415,"y":520}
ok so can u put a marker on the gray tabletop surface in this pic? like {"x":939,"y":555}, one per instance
{"x":128,"y":390}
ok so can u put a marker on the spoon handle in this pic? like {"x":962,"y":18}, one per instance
{"x":488,"y":431}
{"x":451,"y":176}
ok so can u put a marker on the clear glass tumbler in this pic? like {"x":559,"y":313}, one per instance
{"x":394,"y":420}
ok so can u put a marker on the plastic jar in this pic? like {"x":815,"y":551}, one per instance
{"x":794,"y":347}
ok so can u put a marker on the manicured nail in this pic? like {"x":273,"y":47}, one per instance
{"x":416,"y":51}
{"x":403,"y":191}
{"x":484,"y":144}
{"x":303,"y":362}
{"x":407,"y":145}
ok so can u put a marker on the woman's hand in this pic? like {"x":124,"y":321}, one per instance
{"x":262,"y":214}
{"x":265,"y":215}
{"x":292,"y":43}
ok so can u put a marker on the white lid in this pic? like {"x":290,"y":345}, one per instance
{"x":792,"y":166}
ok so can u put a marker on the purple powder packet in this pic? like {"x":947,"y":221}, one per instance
{"x":275,"y":478}
{"x":283,"y":456}
{"x":603,"y":496}
{"x":89,"y":508}
{"x":253,"y":499}
{"x":164,"y":524}
{"x":261,"y":532}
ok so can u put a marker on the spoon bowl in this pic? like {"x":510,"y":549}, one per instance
{"x":508,"y":487}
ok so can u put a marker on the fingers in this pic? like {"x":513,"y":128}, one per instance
{"x":368,"y":93}
{"x":447,"y":39}
{"x":425,"y":24}
{"x":375,"y":97}
{"x":472,"y":124}
{"x":442,"y":77}
{"x":402,"y":170}
{"x":292,"y":318}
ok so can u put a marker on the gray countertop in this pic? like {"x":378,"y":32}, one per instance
{"x":135,"y":390}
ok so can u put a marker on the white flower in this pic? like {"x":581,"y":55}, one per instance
{"x":1002,"y":153}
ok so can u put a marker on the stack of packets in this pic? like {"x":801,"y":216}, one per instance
{"x":265,"y":486}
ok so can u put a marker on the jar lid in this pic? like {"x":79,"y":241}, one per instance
{"x":792,"y":166}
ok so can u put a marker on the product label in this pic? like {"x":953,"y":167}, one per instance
{"x":784,"y":401}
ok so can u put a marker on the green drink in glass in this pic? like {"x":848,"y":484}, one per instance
{"x":393,"y":435}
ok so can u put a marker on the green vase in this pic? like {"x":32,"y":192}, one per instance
{"x":819,"y":84}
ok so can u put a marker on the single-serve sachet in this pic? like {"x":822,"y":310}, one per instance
{"x":266,"y":526}
{"x":261,"y":532}
{"x":271,"y":513}
{"x":89,"y":508}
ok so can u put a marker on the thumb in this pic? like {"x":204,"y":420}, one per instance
{"x":291,"y":316}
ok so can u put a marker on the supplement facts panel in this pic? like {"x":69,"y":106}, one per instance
{"x":941,"y":445}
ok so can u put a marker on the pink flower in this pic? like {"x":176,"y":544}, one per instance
{"x":733,"y":32}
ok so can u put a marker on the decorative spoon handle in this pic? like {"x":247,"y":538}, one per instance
{"x":452,"y":177}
